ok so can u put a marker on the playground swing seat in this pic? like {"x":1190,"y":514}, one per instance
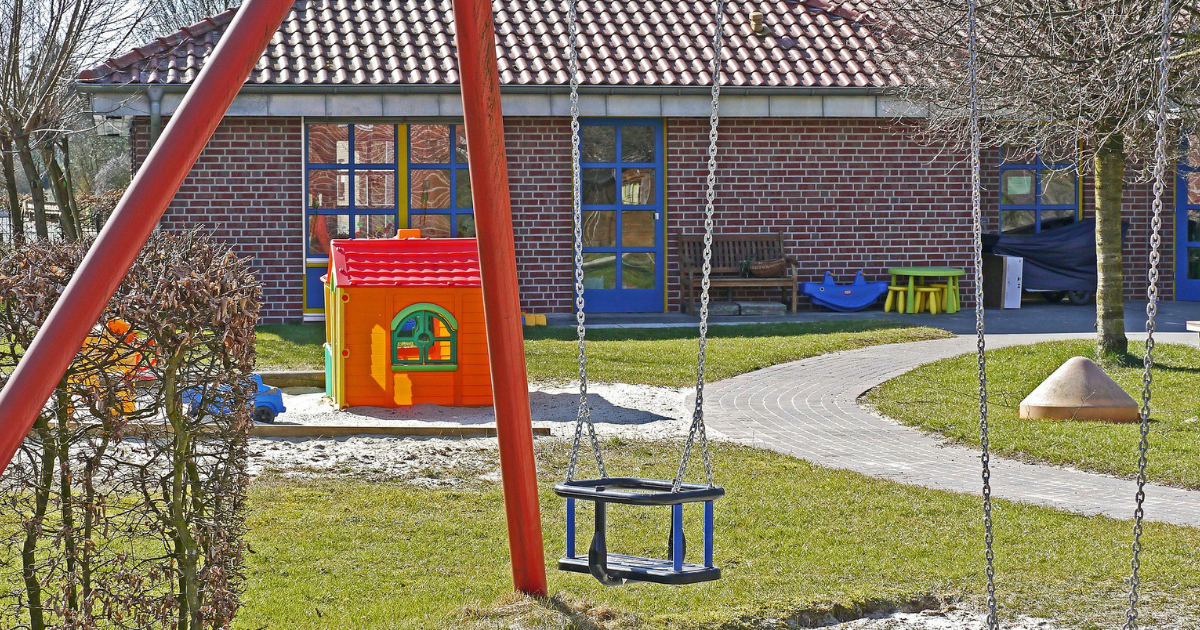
{"x":613,"y":569}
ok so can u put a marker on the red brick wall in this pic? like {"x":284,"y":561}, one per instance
{"x":1136,"y":201}
{"x":849,"y":194}
{"x":247,"y":189}
{"x":539,"y":174}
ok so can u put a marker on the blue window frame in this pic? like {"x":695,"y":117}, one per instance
{"x":623,"y":200}
{"x":1037,"y":196}
{"x":439,"y":182}
{"x":1187,"y":226}
{"x":352,"y":187}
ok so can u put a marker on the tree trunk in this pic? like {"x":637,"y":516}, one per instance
{"x":1110,"y":290}
{"x":34,"y":177}
{"x":33,"y":527}
{"x":65,"y":482}
{"x":62,"y":195}
{"x":69,"y":182}
{"x":16,"y":216}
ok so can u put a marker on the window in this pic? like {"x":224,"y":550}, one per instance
{"x":424,"y":339}
{"x":1036,"y":195}
{"x":351,"y":184}
{"x":621,"y":207}
{"x":439,"y":183}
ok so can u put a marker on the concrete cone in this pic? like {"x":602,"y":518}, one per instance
{"x":1079,"y":390}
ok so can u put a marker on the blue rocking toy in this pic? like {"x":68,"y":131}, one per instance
{"x":844,"y":298}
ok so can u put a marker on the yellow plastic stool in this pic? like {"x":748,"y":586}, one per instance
{"x":929,"y":296}
{"x":900,"y":295}
{"x":944,"y":298}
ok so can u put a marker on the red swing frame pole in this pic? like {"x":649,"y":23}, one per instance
{"x":476,"y":33}
{"x":140,"y":208}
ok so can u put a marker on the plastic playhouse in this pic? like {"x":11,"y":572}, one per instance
{"x":404,"y":320}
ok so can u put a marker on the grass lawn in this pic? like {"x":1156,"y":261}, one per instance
{"x":291,"y":347}
{"x":941,"y":397}
{"x":792,"y":538}
{"x":650,"y":356}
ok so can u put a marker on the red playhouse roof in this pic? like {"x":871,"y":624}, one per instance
{"x":405,"y":262}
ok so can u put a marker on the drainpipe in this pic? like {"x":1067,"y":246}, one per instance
{"x":155,"y":92}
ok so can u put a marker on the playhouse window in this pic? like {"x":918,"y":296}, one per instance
{"x":424,"y":338}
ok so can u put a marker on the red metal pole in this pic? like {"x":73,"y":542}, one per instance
{"x":501,"y":302}
{"x":117,"y":246}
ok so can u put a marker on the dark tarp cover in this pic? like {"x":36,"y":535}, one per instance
{"x":1062,"y":259}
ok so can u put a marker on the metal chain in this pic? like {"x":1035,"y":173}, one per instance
{"x":1160,"y":169}
{"x":698,"y":428}
{"x":993,"y":620}
{"x":584,"y":414}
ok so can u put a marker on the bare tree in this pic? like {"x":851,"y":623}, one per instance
{"x":1073,"y":79}
{"x":167,"y":16}
{"x":43,"y":45}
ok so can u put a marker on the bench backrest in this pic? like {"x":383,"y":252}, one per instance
{"x":729,"y":250}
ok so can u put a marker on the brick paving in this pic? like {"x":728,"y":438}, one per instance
{"x":808,"y":409}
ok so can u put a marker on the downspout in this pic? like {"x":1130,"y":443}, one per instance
{"x":155,"y":93}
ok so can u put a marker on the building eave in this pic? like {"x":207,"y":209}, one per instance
{"x":441,"y":101}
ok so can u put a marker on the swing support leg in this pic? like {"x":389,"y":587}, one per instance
{"x":501,"y":302}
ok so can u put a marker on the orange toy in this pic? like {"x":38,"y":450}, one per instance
{"x":404,"y":320}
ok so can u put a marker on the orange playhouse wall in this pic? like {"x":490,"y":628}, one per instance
{"x":368,"y":336}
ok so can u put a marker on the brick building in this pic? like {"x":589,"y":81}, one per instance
{"x":350,"y":127}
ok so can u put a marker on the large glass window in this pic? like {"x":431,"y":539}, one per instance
{"x":1036,"y":195}
{"x":439,"y":184}
{"x":351,"y":193}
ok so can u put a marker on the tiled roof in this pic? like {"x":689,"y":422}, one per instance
{"x":666,"y":43}
{"x":410,"y":262}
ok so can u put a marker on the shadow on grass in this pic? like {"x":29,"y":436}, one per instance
{"x":1134,"y":359}
{"x":782,"y":329}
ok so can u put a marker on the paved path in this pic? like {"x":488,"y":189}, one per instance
{"x":808,"y":409}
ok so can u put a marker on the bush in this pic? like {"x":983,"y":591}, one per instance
{"x":125,"y":505}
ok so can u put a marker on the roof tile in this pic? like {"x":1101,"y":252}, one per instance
{"x":624,"y":43}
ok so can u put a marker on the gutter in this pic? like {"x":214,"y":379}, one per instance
{"x":137,"y":88}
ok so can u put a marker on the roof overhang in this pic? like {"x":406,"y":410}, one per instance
{"x":420,"y":101}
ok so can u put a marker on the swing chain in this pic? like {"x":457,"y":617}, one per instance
{"x":1160,"y":167}
{"x":584,"y":415}
{"x":697,"y":426}
{"x":993,"y":621}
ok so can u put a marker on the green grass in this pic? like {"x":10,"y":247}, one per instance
{"x":941,"y":397}
{"x":291,"y":347}
{"x":649,"y":356}
{"x":793,"y":539}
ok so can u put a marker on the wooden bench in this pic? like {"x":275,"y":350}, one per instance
{"x":729,"y":250}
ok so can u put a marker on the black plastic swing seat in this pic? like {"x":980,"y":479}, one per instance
{"x":637,"y":491}
{"x":614,"y":568}
{"x":637,"y":569}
